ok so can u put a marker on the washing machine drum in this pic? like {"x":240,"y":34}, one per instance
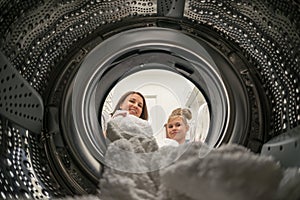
{"x":60,"y":60}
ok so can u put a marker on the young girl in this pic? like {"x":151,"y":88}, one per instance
{"x":177,"y":125}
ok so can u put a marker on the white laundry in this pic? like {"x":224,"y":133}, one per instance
{"x":188,"y":172}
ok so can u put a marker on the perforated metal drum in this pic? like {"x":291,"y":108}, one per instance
{"x":242,"y":54}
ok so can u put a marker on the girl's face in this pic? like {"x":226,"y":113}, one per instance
{"x":133,"y":104}
{"x":176,"y":129}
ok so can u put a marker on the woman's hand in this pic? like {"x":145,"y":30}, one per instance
{"x":123,"y":113}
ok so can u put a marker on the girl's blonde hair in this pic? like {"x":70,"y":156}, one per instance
{"x":184,"y":113}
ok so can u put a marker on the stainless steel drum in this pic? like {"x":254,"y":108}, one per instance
{"x":60,"y":59}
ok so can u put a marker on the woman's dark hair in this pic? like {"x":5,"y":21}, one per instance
{"x":144,"y":114}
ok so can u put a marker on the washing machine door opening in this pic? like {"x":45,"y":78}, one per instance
{"x":137,"y":53}
{"x":163,"y":91}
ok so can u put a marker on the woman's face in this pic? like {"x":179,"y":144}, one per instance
{"x":133,"y":104}
{"x":176,"y":129}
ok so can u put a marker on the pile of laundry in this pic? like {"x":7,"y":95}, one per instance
{"x":136,"y":168}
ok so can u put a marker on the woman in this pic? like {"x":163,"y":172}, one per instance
{"x":177,"y":125}
{"x":130,"y":114}
{"x":132,"y":102}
